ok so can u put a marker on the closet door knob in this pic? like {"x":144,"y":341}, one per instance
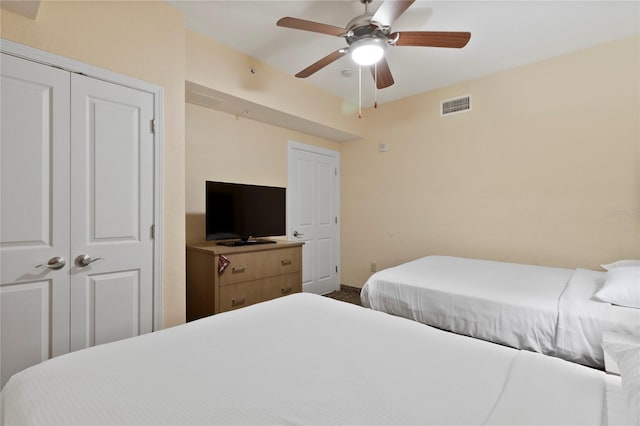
{"x":54,"y":263}
{"x":85,"y":260}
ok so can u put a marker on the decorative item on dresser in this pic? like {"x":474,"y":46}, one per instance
{"x":222,"y":278}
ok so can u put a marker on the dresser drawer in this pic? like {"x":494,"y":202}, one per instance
{"x":281,"y":285}
{"x":247,"y":293}
{"x":252,"y":266}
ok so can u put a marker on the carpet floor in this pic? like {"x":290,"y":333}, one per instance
{"x":346,"y":294}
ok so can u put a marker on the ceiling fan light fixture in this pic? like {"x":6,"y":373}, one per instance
{"x":367,"y":51}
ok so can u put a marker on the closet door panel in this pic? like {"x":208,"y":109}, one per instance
{"x":112,"y":212}
{"x":113,"y":146}
{"x":27,"y":341}
{"x":26,"y":169}
{"x":34,"y":213}
{"x":101,"y":295}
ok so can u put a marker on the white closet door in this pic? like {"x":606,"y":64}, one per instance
{"x":34,"y":214}
{"x":111,"y":212}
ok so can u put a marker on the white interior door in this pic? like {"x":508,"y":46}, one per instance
{"x":111,"y":212}
{"x":312,"y":214}
{"x":34,"y":214}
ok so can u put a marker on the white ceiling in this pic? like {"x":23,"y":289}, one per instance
{"x":504,"y":34}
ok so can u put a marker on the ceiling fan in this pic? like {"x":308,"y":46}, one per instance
{"x":369,"y":34}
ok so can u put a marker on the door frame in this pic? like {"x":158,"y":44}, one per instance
{"x":293,"y":145}
{"x":51,"y":59}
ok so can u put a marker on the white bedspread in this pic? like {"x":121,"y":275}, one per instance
{"x":566,"y":385}
{"x":302,"y":359}
{"x":507,"y":303}
{"x":582,"y":319}
{"x":542,"y":309}
{"x":616,"y":405}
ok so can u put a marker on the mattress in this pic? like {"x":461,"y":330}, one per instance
{"x":304,"y":359}
{"x":542,"y":309}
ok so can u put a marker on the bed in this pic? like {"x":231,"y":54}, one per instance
{"x":542,"y":309}
{"x":306,"y":359}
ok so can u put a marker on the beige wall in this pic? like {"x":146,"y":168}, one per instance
{"x":145,"y":40}
{"x":218,"y":67}
{"x":223,"y":147}
{"x":544,"y":170}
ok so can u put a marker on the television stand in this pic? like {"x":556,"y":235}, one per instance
{"x":240,"y":243}
{"x":253,"y":274}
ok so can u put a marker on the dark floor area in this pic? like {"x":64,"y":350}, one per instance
{"x":346,"y":294}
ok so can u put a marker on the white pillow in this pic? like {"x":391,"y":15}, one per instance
{"x":627,"y":356}
{"x":621,"y":263}
{"x":621,"y":287}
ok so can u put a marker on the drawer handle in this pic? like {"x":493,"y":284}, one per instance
{"x":285,"y":262}
{"x":237,"y":269}
{"x":238,"y":302}
{"x":286,"y":290}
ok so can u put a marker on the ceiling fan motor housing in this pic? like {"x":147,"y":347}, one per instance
{"x":362,"y":27}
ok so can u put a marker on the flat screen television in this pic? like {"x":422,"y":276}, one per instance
{"x":244,"y":212}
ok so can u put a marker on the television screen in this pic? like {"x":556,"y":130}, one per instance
{"x":244,"y":211}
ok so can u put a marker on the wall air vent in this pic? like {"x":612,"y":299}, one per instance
{"x":454,"y":106}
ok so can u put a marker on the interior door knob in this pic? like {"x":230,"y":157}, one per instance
{"x":297,"y":234}
{"x":54,"y":263}
{"x":85,"y":260}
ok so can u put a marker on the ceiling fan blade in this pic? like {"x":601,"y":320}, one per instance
{"x":317,"y":66}
{"x":431,"y":38}
{"x":384,"y":77}
{"x":390,"y":10}
{"x":316,"y":27}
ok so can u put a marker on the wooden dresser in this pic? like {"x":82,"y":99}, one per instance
{"x":255,"y":273}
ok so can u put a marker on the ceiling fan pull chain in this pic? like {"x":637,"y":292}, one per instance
{"x":359,"y":91}
{"x":375,"y":85}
